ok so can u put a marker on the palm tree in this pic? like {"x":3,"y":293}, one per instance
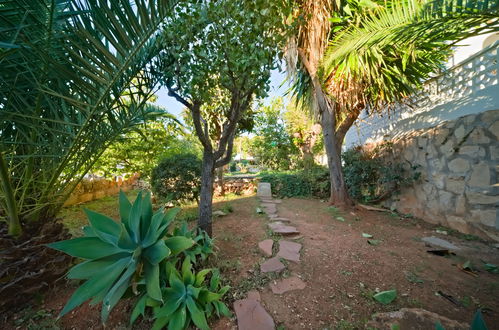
{"x":75,"y":75}
{"x":376,"y":56}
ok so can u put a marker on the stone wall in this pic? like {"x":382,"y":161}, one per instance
{"x":95,"y":188}
{"x":238,"y":186}
{"x":459,"y":165}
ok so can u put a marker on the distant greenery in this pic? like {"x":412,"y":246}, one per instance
{"x":273,"y":146}
{"x":141,"y":149}
{"x":177,"y":177}
{"x":369,"y":177}
{"x":312,"y":183}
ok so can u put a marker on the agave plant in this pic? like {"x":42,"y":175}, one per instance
{"x":187,"y":298}
{"x":118,"y":253}
{"x":204,"y":243}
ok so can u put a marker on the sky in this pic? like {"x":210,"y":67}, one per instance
{"x":175,"y":108}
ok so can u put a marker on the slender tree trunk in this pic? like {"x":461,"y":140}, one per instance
{"x":206,"y":194}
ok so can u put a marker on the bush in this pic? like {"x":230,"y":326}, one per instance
{"x":370,"y":177}
{"x":138,"y":256}
{"x":311,"y":183}
{"x":177,"y":178}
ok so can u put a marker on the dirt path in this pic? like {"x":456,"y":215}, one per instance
{"x":342,"y":270}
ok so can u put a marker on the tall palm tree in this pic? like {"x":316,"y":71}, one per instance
{"x":75,"y":75}
{"x":376,"y":56}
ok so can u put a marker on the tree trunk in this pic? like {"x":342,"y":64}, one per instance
{"x":206,"y":194}
{"x":220,"y":175}
{"x":339,"y":193}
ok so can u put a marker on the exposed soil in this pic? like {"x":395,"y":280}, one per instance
{"x":341,"y":269}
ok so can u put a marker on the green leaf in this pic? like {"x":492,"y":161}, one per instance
{"x":197,"y":315}
{"x":94,"y":285}
{"x":88,"y":269}
{"x":173,"y":300}
{"x":125,"y":207}
{"x":178,"y":244}
{"x":139,"y":309}
{"x":340,"y":219}
{"x":478,"y":322}
{"x":160,"y":323}
{"x":439,"y":326}
{"x":187,"y":275}
{"x":89,"y":232}
{"x":491,"y":268}
{"x":373,"y":241}
{"x":157,"y":252}
{"x":178,"y":318}
{"x":117,"y":291}
{"x":367,"y":235}
{"x":146,"y":215}
{"x":151,"y":273}
{"x":153,"y":231}
{"x":103,"y":226}
{"x":200,"y":276}
{"x":385,"y":297}
{"x":86,"y":248}
{"x":134,"y":220}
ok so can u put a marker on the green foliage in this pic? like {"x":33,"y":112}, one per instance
{"x":204,"y":246}
{"x":385,"y":52}
{"x":189,"y":298}
{"x":73,"y":79}
{"x":141,"y":149}
{"x":273,"y":146}
{"x":385,"y":297}
{"x":177,"y":177}
{"x":117,"y":253}
{"x":311,"y":183}
{"x":369,"y":178}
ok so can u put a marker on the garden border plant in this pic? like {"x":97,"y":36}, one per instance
{"x":138,"y":256}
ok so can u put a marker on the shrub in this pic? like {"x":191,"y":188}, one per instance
{"x":177,"y":178}
{"x":138,"y":256}
{"x":371,"y":176}
{"x":314,"y":182}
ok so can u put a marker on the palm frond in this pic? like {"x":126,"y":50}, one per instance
{"x":388,"y":55}
{"x":75,"y":74}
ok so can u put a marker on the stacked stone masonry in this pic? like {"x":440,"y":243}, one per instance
{"x":459,"y":165}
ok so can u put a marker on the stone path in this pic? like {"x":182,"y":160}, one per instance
{"x":249,"y":312}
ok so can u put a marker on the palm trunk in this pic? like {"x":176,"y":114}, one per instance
{"x":339,"y":193}
{"x":206,"y":194}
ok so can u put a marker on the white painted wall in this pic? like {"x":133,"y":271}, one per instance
{"x":467,"y":88}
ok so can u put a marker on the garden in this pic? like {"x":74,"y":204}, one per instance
{"x":242,"y":210}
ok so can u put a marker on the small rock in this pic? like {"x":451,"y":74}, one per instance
{"x":219,"y":213}
{"x":251,"y":315}
{"x":272,"y":265}
{"x":255,"y":295}
{"x":287,"y":284}
{"x":413,"y":318}
{"x":266,"y":247}
{"x":289,"y":250}
{"x":439,"y":242}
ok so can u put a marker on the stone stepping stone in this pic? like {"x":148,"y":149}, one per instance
{"x":440,"y":242}
{"x":251,"y":315}
{"x":287,"y":284}
{"x":269,"y":208}
{"x":280,"y":228}
{"x":289,"y":250}
{"x":264,"y":190}
{"x":281,"y":219}
{"x":266,"y":247}
{"x":272,"y":265}
{"x":255,"y":295}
